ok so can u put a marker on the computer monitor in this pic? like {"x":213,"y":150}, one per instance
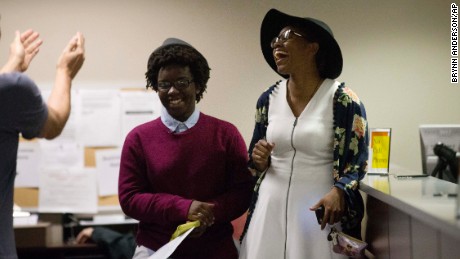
{"x":430,"y":135}
{"x":458,"y":191}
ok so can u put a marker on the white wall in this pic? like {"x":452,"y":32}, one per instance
{"x":396,"y":53}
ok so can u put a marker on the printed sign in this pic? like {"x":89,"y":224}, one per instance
{"x":379,"y":151}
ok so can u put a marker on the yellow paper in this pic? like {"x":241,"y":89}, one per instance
{"x":381,"y":149}
{"x":181,"y":229}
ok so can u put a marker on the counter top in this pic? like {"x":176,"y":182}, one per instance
{"x":428,"y":199}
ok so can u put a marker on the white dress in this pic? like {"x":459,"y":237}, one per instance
{"x":300,"y":174}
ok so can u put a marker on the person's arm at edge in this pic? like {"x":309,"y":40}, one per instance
{"x":69,"y":64}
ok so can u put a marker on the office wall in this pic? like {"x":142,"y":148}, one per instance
{"x":396,"y":53}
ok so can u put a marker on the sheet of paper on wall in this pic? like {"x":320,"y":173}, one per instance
{"x":108,"y":166}
{"x":67,"y":190}
{"x":137,"y":107}
{"x":99,"y":123}
{"x":379,"y":150}
{"x":62,"y":154}
{"x":69,"y":133}
{"x":28,"y":164}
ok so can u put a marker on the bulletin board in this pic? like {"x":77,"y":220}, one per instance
{"x":28,"y":197}
{"x":99,"y":120}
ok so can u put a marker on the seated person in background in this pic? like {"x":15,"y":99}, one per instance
{"x":119,"y":246}
{"x":185,"y":165}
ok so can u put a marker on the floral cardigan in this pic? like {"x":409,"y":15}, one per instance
{"x":350,"y":152}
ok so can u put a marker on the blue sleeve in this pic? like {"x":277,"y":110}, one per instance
{"x":350,"y":139}
{"x":22,"y":109}
{"x":350,"y":155}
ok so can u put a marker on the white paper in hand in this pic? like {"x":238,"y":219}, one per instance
{"x":165,"y":251}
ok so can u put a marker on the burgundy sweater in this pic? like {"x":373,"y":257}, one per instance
{"x":161,"y":173}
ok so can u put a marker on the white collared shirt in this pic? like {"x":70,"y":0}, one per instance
{"x":178,"y":126}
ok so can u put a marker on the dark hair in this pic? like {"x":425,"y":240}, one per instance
{"x":313,"y":35}
{"x":182,"y":55}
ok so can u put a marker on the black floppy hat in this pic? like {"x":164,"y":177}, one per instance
{"x":274,"y":21}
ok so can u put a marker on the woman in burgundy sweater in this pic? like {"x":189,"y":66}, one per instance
{"x":185,"y":165}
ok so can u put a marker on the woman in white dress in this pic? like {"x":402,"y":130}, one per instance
{"x":309,"y":146}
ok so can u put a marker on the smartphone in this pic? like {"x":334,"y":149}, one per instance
{"x":320,"y":214}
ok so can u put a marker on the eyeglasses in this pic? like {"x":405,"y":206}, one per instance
{"x":180,"y":84}
{"x":286,"y":35}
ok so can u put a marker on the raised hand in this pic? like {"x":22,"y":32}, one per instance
{"x":23,"y":49}
{"x":73,"y":56}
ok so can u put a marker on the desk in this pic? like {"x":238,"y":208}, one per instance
{"x":406,"y":219}
{"x":50,"y":237}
